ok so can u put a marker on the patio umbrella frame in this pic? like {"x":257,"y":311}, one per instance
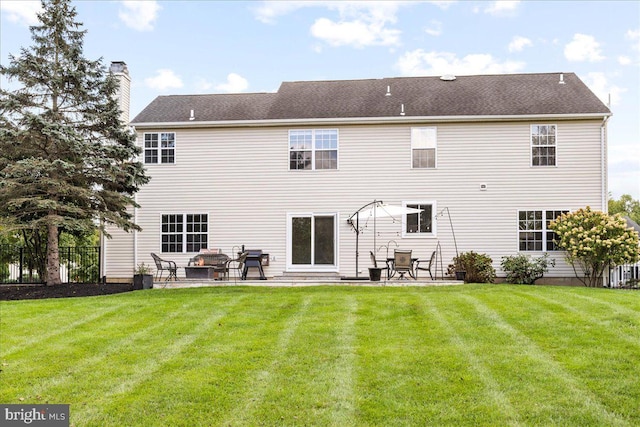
{"x":376,"y":204}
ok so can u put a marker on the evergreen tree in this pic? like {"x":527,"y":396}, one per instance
{"x":67,"y":161}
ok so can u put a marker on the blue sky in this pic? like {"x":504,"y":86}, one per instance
{"x":189,"y":47}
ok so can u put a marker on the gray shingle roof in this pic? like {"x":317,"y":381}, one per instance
{"x":483,"y":95}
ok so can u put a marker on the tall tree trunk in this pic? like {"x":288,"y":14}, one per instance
{"x":53,"y":256}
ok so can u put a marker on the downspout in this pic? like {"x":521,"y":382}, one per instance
{"x":603,"y":183}
{"x":603,"y":164}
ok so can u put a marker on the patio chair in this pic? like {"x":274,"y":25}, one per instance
{"x":402,"y":263}
{"x":374,"y":261}
{"x":165,"y":265}
{"x":426,"y":267}
{"x":239,"y":265}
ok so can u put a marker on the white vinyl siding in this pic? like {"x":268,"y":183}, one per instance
{"x":248,"y":201}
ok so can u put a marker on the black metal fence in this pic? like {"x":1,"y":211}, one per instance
{"x":77,"y":265}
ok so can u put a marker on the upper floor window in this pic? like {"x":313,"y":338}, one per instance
{"x":534,"y":233}
{"x":184,"y":232}
{"x":543,"y":145}
{"x":160,"y":147}
{"x":420,"y":223}
{"x":423,"y":148}
{"x":313,"y":149}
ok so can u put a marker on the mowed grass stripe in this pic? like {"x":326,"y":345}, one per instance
{"x":577,"y":393}
{"x":618,"y":322}
{"x":261,"y":382}
{"x":147,"y":367}
{"x":409,"y":371}
{"x":312,"y":384}
{"x":342,"y":395}
{"x":213,"y":374}
{"x":458,"y":334}
{"x":102,"y":356}
{"x":582,"y":339}
{"x":18,"y":338}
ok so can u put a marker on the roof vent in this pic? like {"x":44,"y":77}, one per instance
{"x":402,"y":109}
{"x":388,"y":91}
{"x":448,"y":78}
{"x":192,"y":116}
{"x":561,"y":82}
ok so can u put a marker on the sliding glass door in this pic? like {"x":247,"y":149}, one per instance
{"x":312,"y":242}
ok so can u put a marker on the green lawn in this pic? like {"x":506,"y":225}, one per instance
{"x":365,"y":356}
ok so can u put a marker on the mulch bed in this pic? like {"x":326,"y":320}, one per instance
{"x":65,"y":290}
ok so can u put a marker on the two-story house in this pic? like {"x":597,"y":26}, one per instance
{"x":283,"y":171}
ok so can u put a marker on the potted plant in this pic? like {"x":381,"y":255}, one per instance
{"x":142,"y":277}
{"x":460,"y":270}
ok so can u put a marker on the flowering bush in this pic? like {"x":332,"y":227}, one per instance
{"x":525,"y":270}
{"x":594,"y":240}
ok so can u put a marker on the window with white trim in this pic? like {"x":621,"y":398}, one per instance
{"x":313,"y":149}
{"x":423,"y":148}
{"x":534,"y":233}
{"x":543,"y":145}
{"x":159,"y":147}
{"x":419,"y":224}
{"x":184,"y":232}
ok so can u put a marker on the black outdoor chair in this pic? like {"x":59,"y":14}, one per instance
{"x":426,"y":267}
{"x":374,"y":261}
{"x":165,"y":265}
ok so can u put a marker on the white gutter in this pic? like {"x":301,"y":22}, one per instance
{"x":365,"y":120}
{"x":603,"y":164}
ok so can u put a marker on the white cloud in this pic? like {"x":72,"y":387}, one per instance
{"x":21,"y":12}
{"x":502,"y":7}
{"x":634,"y":36}
{"x":354,"y":33}
{"x":165,"y":79}
{"x":600,"y":85}
{"x":235,"y":83}
{"x":139,"y":15}
{"x":583,"y":48}
{"x":203,"y":85}
{"x":624,"y":60}
{"x":359,"y":23}
{"x":268,"y":11}
{"x":518,"y":43}
{"x":421,"y":63}
{"x":435,"y":28}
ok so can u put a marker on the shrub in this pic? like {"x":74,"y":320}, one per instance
{"x":477,"y":266}
{"x":526,"y":270}
{"x":594,"y":240}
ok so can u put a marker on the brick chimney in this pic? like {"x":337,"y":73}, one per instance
{"x":121,"y":72}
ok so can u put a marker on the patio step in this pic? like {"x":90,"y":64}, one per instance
{"x":300,"y":277}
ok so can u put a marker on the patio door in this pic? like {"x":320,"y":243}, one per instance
{"x":311,"y":242}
